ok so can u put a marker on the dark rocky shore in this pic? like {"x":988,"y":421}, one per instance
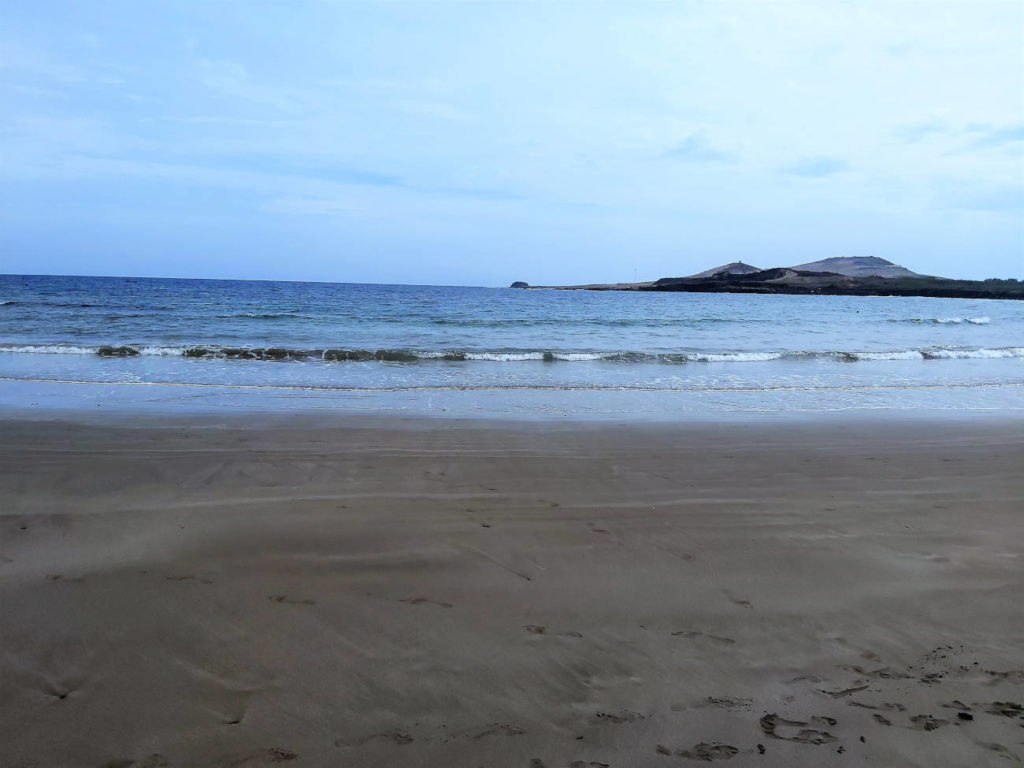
{"x":844,"y":276}
{"x":791,"y":281}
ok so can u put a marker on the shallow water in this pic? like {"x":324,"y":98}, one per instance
{"x":501,"y":351}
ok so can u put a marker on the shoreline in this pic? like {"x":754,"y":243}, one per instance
{"x":924,"y":400}
{"x":252,"y":589}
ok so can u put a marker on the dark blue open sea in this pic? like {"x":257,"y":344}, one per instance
{"x":76,"y":342}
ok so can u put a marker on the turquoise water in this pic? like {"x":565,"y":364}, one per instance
{"x":81,"y":342}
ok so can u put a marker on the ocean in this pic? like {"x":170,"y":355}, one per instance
{"x":158,"y":344}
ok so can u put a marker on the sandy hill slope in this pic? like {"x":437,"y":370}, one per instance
{"x":735,"y":268}
{"x":857,"y":266}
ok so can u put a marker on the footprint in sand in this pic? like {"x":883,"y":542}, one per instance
{"x":694,"y":635}
{"x":843,"y":693}
{"x":616,"y":719}
{"x":401,"y":738}
{"x":927,"y":722}
{"x":725,"y":702}
{"x":886,"y":706}
{"x":585,"y":764}
{"x":798,"y":730}
{"x":289,"y":600}
{"x":883,"y":673}
{"x":425,"y":601}
{"x":736,"y":600}
{"x":153,"y":761}
{"x":503,"y":729}
{"x":704,"y":751}
{"x":62,"y":577}
{"x":200,"y":579}
{"x":535,"y":629}
{"x":1005,"y":709}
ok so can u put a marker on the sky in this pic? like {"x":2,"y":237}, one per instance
{"x":477,"y":143}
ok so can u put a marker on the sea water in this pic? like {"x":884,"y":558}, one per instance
{"x":85,"y":342}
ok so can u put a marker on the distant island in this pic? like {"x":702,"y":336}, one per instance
{"x":841,"y":276}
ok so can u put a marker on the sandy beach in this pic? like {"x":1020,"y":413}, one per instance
{"x":412,"y":592}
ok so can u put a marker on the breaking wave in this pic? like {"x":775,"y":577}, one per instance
{"x":345,"y":355}
{"x":945,"y":320}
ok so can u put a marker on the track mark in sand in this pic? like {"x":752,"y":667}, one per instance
{"x":503,"y":729}
{"x":425,"y":601}
{"x":280,"y":755}
{"x":999,"y":749}
{"x":62,"y":577}
{"x":1006,"y":709}
{"x":153,"y":761}
{"x":881,"y":719}
{"x":884,"y":673}
{"x":964,"y":713}
{"x":60,"y":692}
{"x":694,"y":635}
{"x":736,"y":601}
{"x":200,"y":579}
{"x":927,"y":722}
{"x":585,"y":764}
{"x":496,"y":561}
{"x":797,"y":730}
{"x":595,"y":529}
{"x":883,"y":706}
{"x":290,"y":600}
{"x":626,"y":716}
{"x":537,"y":763}
{"x":535,"y":629}
{"x":723,"y":702}
{"x":272,"y":755}
{"x":1015,"y":676}
{"x":704,"y":751}
{"x":401,"y":738}
{"x":845,"y":691}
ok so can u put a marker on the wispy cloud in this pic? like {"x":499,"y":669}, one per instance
{"x":232,"y":79}
{"x":696,"y":148}
{"x":310,"y":207}
{"x":817,"y":167}
{"x":915,"y":132}
{"x":999,"y":200}
{"x":991,"y":137}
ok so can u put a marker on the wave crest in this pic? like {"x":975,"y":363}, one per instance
{"x":347,"y":355}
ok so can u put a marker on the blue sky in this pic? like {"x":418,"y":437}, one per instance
{"x":480,"y":143}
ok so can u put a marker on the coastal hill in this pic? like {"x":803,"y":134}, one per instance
{"x":842,"y":276}
{"x":857,"y":266}
{"x":735,"y":268}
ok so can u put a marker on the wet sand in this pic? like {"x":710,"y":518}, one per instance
{"x":444,"y":593}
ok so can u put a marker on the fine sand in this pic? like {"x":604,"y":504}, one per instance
{"x":443,"y":593}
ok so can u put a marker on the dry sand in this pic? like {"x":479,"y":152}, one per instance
{"x":417,"y":593}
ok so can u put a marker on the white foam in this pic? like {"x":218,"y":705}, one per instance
{"x":578,"y":356}
{"x":504,"y":357}
{"x":957,"y":320}
{"x":50,"y":349}
{"x":160,"y":351}
{"x":734,"y":357}
{"x":906,"y":354}
{"x":974,"y":354}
